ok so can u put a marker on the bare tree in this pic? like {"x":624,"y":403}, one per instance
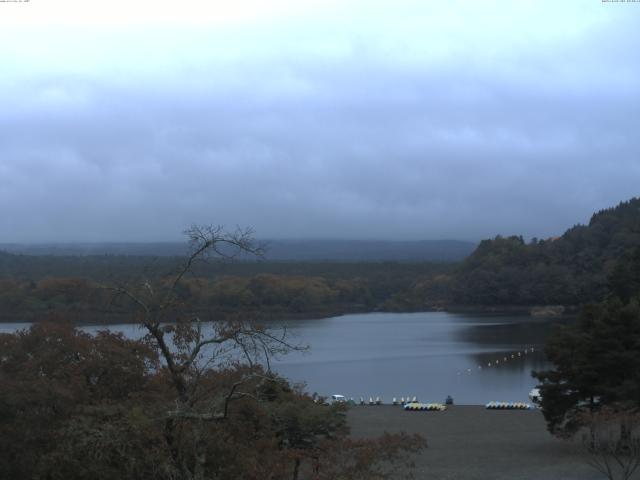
{"x":188,"y":348}
{"x":612,"y":442}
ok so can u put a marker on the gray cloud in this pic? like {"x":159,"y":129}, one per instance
{"x":529,"y":140}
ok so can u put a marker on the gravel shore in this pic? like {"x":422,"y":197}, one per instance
{"x":470,"y":442}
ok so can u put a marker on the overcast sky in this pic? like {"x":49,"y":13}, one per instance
{"x":130,"y":120}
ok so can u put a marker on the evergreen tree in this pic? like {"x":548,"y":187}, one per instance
{"x":625,"y":278}
{"x":596,"y":363}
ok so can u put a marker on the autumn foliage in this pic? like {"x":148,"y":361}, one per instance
{"x":77,"y":406}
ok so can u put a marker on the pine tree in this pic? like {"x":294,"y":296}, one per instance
{"x":596,"y":363}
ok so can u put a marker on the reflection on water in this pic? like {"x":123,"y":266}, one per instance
{"x":429,"y":355}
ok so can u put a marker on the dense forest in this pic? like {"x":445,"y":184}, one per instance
{"x":573,"y":269}
{"x":31,"y":287}
{"x":570,"y":270}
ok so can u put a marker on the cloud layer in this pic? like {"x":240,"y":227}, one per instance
{"x":352,"y":120}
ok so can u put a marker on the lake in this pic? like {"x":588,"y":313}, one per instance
{"x":428,"y":355}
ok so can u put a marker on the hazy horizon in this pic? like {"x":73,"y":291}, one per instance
{"x":282,"y":239}
{"x":345,"y":119}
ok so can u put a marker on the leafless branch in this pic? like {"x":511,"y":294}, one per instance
{"x":612,"y":444}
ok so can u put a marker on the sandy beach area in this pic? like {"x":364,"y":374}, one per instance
{"x":472,"y":443}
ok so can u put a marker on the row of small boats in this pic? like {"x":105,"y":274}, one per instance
{"x":402,"y":401}
{"x":437,"y":407}
{"x":335,"y":398}
{"x":413,"y":404}
{"x":508,"y":406}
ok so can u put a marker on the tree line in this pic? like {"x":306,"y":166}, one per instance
{"x":216,"y":288}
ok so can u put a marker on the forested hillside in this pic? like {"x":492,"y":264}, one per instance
{"x":578,"y":267}
{"x":572,"y":269}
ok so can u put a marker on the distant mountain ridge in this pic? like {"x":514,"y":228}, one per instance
{"x":276,"y":250}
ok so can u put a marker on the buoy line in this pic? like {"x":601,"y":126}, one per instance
{"x":500,"y":361}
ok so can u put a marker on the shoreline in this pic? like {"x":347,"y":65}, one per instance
{"x":113,"y":319}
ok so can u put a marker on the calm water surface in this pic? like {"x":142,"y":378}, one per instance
{"x":428,"y":355}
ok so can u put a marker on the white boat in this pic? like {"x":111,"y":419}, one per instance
{"x":534,"y":395}
{"x":338,"y":398}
